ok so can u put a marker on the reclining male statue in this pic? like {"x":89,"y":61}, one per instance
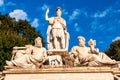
{"x":89,"y":56}
{"x":32,"y":57}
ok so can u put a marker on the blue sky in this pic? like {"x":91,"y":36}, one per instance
{"x":96,"y":19}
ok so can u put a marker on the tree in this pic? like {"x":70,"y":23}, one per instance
{"x":114,"y":50}
{"x":12,"y":34}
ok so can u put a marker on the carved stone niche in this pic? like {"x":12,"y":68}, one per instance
{"x":67,"y":61}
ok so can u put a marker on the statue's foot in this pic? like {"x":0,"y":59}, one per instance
{"x":9,"y":63}
{"x":113,"y":62}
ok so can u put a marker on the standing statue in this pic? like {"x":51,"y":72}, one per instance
{"x":57,"y":35}
{"x":32,"y":57}
{"x":89,"y":56}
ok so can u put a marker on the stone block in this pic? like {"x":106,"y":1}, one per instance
{"x":74,"y":73}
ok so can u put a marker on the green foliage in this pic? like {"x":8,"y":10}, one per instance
{"x":114,"y":50}
{"x":12,"y":34}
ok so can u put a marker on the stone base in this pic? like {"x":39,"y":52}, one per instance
{"x":74,"y":73}
{"x":57,"y":52}
{"x":64,"y":54}
{"x":60,"y":76}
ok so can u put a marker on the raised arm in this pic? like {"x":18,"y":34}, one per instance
{"x":46,"y":15}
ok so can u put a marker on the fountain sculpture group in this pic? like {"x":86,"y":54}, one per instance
{"x":57,"y":55}
{"x":58,"y":40}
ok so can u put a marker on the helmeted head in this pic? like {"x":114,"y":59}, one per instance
{"x":81,"y":40}
{"x":59,"y":11}
{"x":38,"y":42}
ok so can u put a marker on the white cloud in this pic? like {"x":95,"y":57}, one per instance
{"x":18,"y":15}
{"x":75,"y":14}
{"x":44,"y":7}
{"x":117,"y":38}
{"x":101,"y":14}
{"x":64,"y":12}
{"x":11,"y":4}
{"x":77,"y":28}
{"x":35,"y":23}
{"x":1,"y":2}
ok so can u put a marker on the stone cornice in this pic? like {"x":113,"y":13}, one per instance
{"x":62,"y":70}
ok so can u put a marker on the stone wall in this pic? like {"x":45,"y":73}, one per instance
{"x":73,"y":73}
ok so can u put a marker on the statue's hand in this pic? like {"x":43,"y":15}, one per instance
{"x":47,"y":11}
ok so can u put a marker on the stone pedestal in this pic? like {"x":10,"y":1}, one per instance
{"x":57,"y":52}
{"x":74,"y":73}
{"x":64,"y":54}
